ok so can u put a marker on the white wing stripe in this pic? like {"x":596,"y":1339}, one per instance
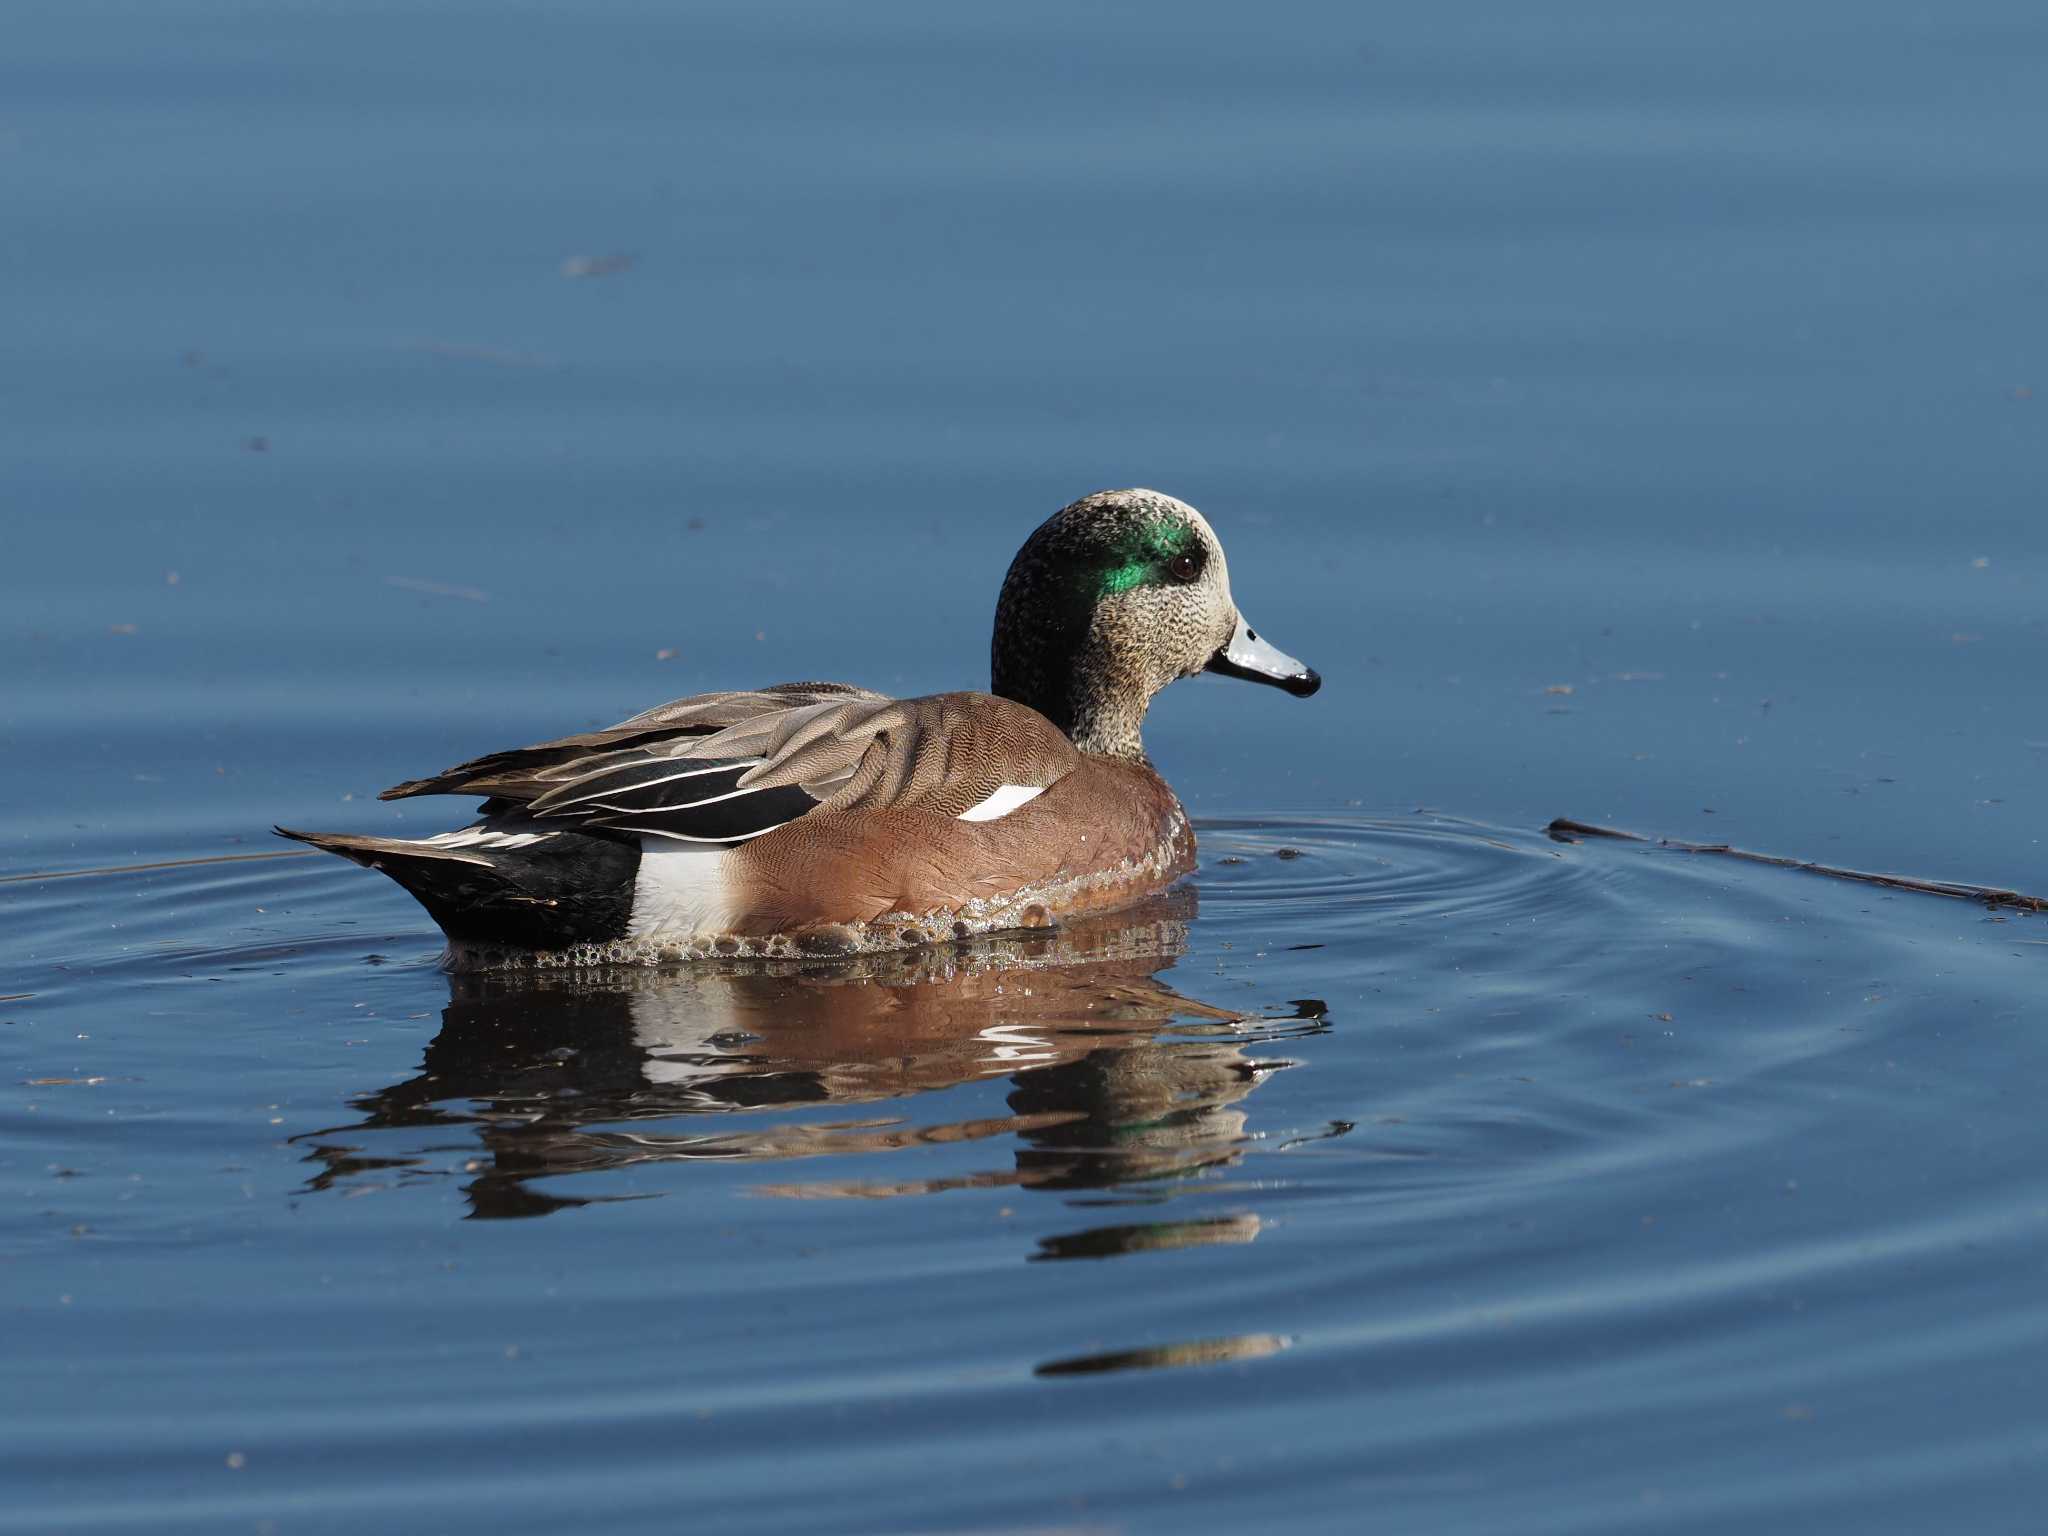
{"x":618,"y":768}
{"x":644,"y":810}
{"x":1005,"y":800}
{"x":481,"y":836}
{"x":684,"y":837}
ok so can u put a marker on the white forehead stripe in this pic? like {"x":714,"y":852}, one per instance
{"x":1005,"y":800}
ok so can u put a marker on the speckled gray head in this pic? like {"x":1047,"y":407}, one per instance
{"x":1110,"y":600}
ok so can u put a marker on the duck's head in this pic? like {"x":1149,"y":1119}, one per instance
{"x":1112,"y":599}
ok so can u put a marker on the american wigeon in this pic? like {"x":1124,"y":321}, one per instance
{"x":813,"y":818}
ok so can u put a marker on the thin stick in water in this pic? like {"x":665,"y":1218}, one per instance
{"x":1565,"y":830}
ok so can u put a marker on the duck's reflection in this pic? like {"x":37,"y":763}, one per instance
{"x":1117,"y":1080}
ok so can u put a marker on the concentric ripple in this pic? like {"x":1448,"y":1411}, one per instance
{"x":1453,"y":1148}
{"x":1333,"y":873}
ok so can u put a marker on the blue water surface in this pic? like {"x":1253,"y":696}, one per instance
{"x":1637,"y":414}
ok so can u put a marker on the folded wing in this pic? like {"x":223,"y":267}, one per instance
{"x":727,"y":767}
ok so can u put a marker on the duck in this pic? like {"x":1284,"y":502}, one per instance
{"x":819,"y":819}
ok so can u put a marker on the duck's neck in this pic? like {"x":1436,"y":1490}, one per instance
{"x":1083,"y":700}
{"x":1104,"y":724}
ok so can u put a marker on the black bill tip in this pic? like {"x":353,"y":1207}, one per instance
{"x":1245,"y":655}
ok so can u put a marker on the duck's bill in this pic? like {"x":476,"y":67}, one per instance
{"x":1249,"y":657}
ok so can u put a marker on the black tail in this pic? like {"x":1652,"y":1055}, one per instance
{"x":564,"y":887}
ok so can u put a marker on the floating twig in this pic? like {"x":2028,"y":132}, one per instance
{"x":1565,"y":830}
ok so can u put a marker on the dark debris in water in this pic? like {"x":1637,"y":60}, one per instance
{"x":1330,"y":1132}
{"x":733,"y":1039}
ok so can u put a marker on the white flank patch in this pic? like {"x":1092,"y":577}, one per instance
{"x":680,"y":891}
{"x":1005,"y":800}
{"x":481,"y":836}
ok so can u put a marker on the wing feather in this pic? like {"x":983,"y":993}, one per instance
{"x":524,"y":773}
{"x":726,"y":767}
{"x":644,"y":780}
{"x":729,"y":818}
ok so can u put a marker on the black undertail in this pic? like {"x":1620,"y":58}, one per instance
{"x":569,"y":887}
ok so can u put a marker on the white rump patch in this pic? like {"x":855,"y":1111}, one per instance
{"x":1005,"y":800}
{"x":481,"y":836}
{"x":680,"y":891}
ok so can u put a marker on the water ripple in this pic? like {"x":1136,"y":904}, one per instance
{"x":1544,"y":1142}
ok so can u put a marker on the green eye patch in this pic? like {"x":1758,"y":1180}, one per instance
{"x":1143,"y":555}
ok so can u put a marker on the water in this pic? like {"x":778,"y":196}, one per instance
{"x":1636,"y":418}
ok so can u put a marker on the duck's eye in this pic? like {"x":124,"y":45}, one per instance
{"x":1184,"y":567}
